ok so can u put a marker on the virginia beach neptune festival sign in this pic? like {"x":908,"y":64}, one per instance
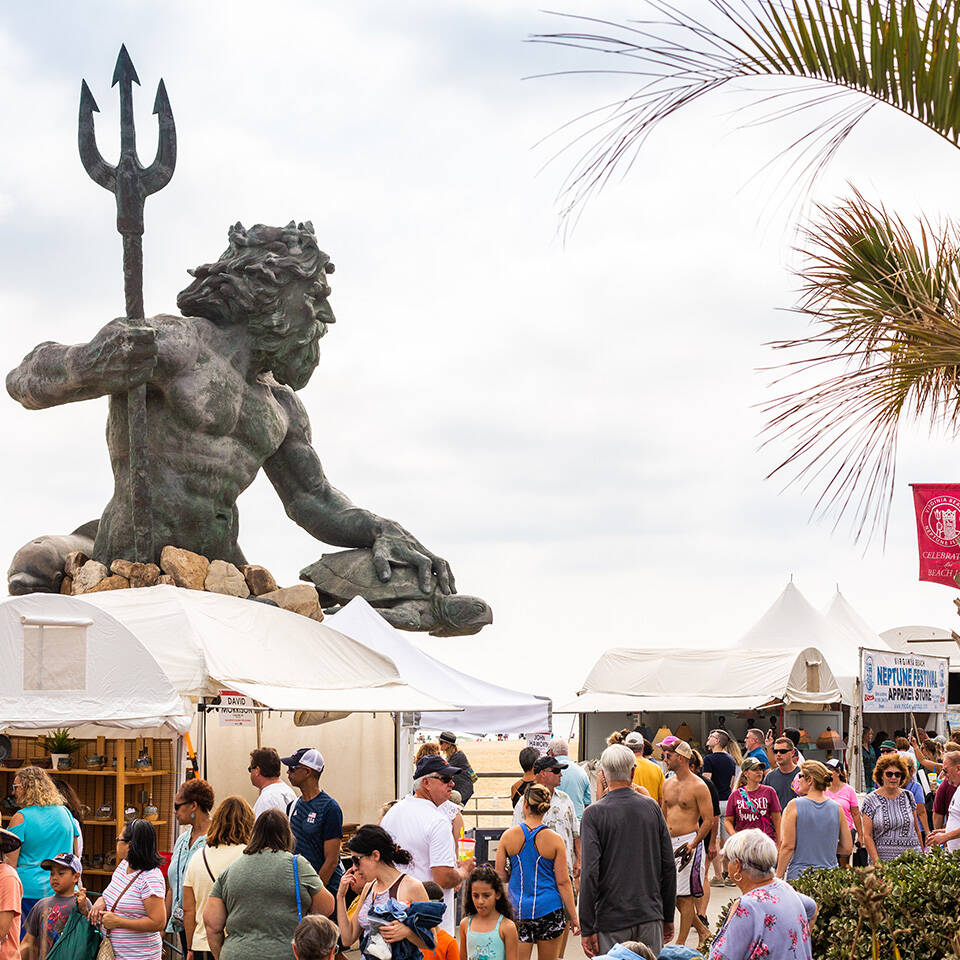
{"x":900,"y":682}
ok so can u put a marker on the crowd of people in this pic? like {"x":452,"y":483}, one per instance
{"x":613,"y":862}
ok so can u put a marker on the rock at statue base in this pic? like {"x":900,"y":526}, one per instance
{"x":166,"y":580}
{"x":113,"y":582}
{"x":259,"y":579}
{"x":66,"y":586}
{"x":139,"y":574}
{"x":88,"y":576}
{"x":73,"y":562}
{"x":300,"y":599}
{"x":187,"y":569}
{"x":223,"y":577}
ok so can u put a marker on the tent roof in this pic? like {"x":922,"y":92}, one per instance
{"x":205,"y":642}
{"x":487,"y":708}
{"x":103,"y":673}
{"x":931,"y":641}
{"x":625,"y":680}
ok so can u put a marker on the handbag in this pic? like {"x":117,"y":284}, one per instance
{"x":860,"y":857}
{"x":207,"y":865}
{"x":105,"y":952}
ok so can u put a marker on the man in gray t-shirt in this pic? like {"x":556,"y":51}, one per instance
{"x":781,"y":777}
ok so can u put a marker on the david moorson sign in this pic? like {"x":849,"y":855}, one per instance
{"x":900,"y":682}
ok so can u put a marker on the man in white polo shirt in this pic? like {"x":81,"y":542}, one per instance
{"x":417,"y":825}
{"x":950,"y":834}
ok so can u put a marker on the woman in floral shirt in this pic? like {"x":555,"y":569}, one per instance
{"x":770,"y":920}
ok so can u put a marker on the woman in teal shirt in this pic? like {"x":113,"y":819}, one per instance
{"x":46,"y":828}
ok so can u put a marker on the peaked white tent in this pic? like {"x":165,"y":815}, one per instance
{"x":791,"y":621}
{"x":486,"y":708}
{"x":201,"y":643}
{"x":855,"y":633}
{"x":632,"y":681}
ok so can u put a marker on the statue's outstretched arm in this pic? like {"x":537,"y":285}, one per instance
{"x":120,"y":357}
{"x":327,"y":514}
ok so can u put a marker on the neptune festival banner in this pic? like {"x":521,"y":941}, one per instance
{"x":893,"y":682}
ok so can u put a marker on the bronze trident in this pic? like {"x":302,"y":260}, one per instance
{"x":131,"y":183}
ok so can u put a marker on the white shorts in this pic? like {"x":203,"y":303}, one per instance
{"x":689,"y":877}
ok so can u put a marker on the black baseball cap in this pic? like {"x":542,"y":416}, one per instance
{"x":547,"y":763}
{"x":433,"y":765}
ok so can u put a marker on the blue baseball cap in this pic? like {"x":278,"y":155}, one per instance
{"x":433,"y":765}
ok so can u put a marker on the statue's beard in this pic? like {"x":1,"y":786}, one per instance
{"x":295,"y":366}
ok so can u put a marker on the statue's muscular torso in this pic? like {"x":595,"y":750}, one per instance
{"x":209,"y":431}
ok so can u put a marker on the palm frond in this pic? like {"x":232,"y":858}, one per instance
{"x":904,"y":53}
{"x":885,"y":306}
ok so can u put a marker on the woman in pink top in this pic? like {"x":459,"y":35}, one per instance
{"x":753,"y":805}
{"x":132,"y":909}
{"x":845,"y":796}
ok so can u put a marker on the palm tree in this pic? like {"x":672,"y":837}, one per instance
{"x":884,"y":298}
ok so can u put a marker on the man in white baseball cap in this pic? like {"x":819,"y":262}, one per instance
{"x":315,"y":817}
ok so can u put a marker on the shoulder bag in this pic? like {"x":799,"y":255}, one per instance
{"x":106,"y":947}
{"x":296,"y":887}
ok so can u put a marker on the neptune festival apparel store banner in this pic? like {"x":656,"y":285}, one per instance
{"x":894,"y":682}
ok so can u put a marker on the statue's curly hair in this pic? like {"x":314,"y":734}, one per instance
{"x":247,"y":283}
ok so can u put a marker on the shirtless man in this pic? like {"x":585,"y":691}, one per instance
{"x":689,"y":813}
{"x":221,"y":403}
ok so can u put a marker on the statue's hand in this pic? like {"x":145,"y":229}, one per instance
{"x":396,"y":545}
{"x":120,"y":357}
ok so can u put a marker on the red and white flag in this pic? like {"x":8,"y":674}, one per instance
{"x":938,"y":530}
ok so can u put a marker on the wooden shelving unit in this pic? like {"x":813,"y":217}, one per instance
{"x":122,"y":785}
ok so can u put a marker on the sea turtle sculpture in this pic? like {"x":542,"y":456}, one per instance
{"x":341,"y":576}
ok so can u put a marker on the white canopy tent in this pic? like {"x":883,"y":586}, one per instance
{"x":67,"y":663}
{"x":791,"y":621}
{"x":633,"y":681}
{"x":930,"y":641}
{"x":486,"y":708}
{"x":197,"y":644}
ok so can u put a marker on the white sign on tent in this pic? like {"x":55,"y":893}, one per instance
{"x":236,"y":710}
{"x":900,"y":682}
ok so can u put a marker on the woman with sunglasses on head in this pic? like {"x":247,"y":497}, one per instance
{"x":376,"y":860}
{"x":889,"y":814}
{"x":720,"y":766}
{"x":191,"y":807}
{"x":131,"y":909}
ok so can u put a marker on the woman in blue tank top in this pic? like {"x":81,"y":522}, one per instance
{"x":813,"y":828}
{"x":540,"y":886}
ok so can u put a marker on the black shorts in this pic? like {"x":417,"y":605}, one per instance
{"x":548,"y":927}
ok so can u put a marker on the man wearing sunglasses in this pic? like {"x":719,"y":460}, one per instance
{"x":315,"y":817}
{"x":562,"y":815}
{"x":417,"y":824}
{"x":781,"y":777}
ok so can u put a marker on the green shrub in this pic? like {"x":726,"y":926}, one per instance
{"x":920,"y":910}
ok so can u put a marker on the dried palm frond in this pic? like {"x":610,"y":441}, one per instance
{"x":887,"y":308}
{"x":898,"y":52}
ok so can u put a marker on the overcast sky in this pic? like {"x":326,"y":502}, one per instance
{"x":571,"y":423}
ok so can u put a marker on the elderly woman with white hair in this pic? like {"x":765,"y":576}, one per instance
{"x":770,"y":919}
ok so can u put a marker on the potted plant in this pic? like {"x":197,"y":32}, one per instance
{"x":59,"y":745}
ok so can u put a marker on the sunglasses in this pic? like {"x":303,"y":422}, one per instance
{"x":775,"y":750}
{"x":442,"y":777}
{"x":893,"y":773}
{"x":182,"y":803}
{"x":355,"y":861}
{"x":123,"y":839}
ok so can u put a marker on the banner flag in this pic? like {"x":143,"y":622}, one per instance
{"x":938,"y":530}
